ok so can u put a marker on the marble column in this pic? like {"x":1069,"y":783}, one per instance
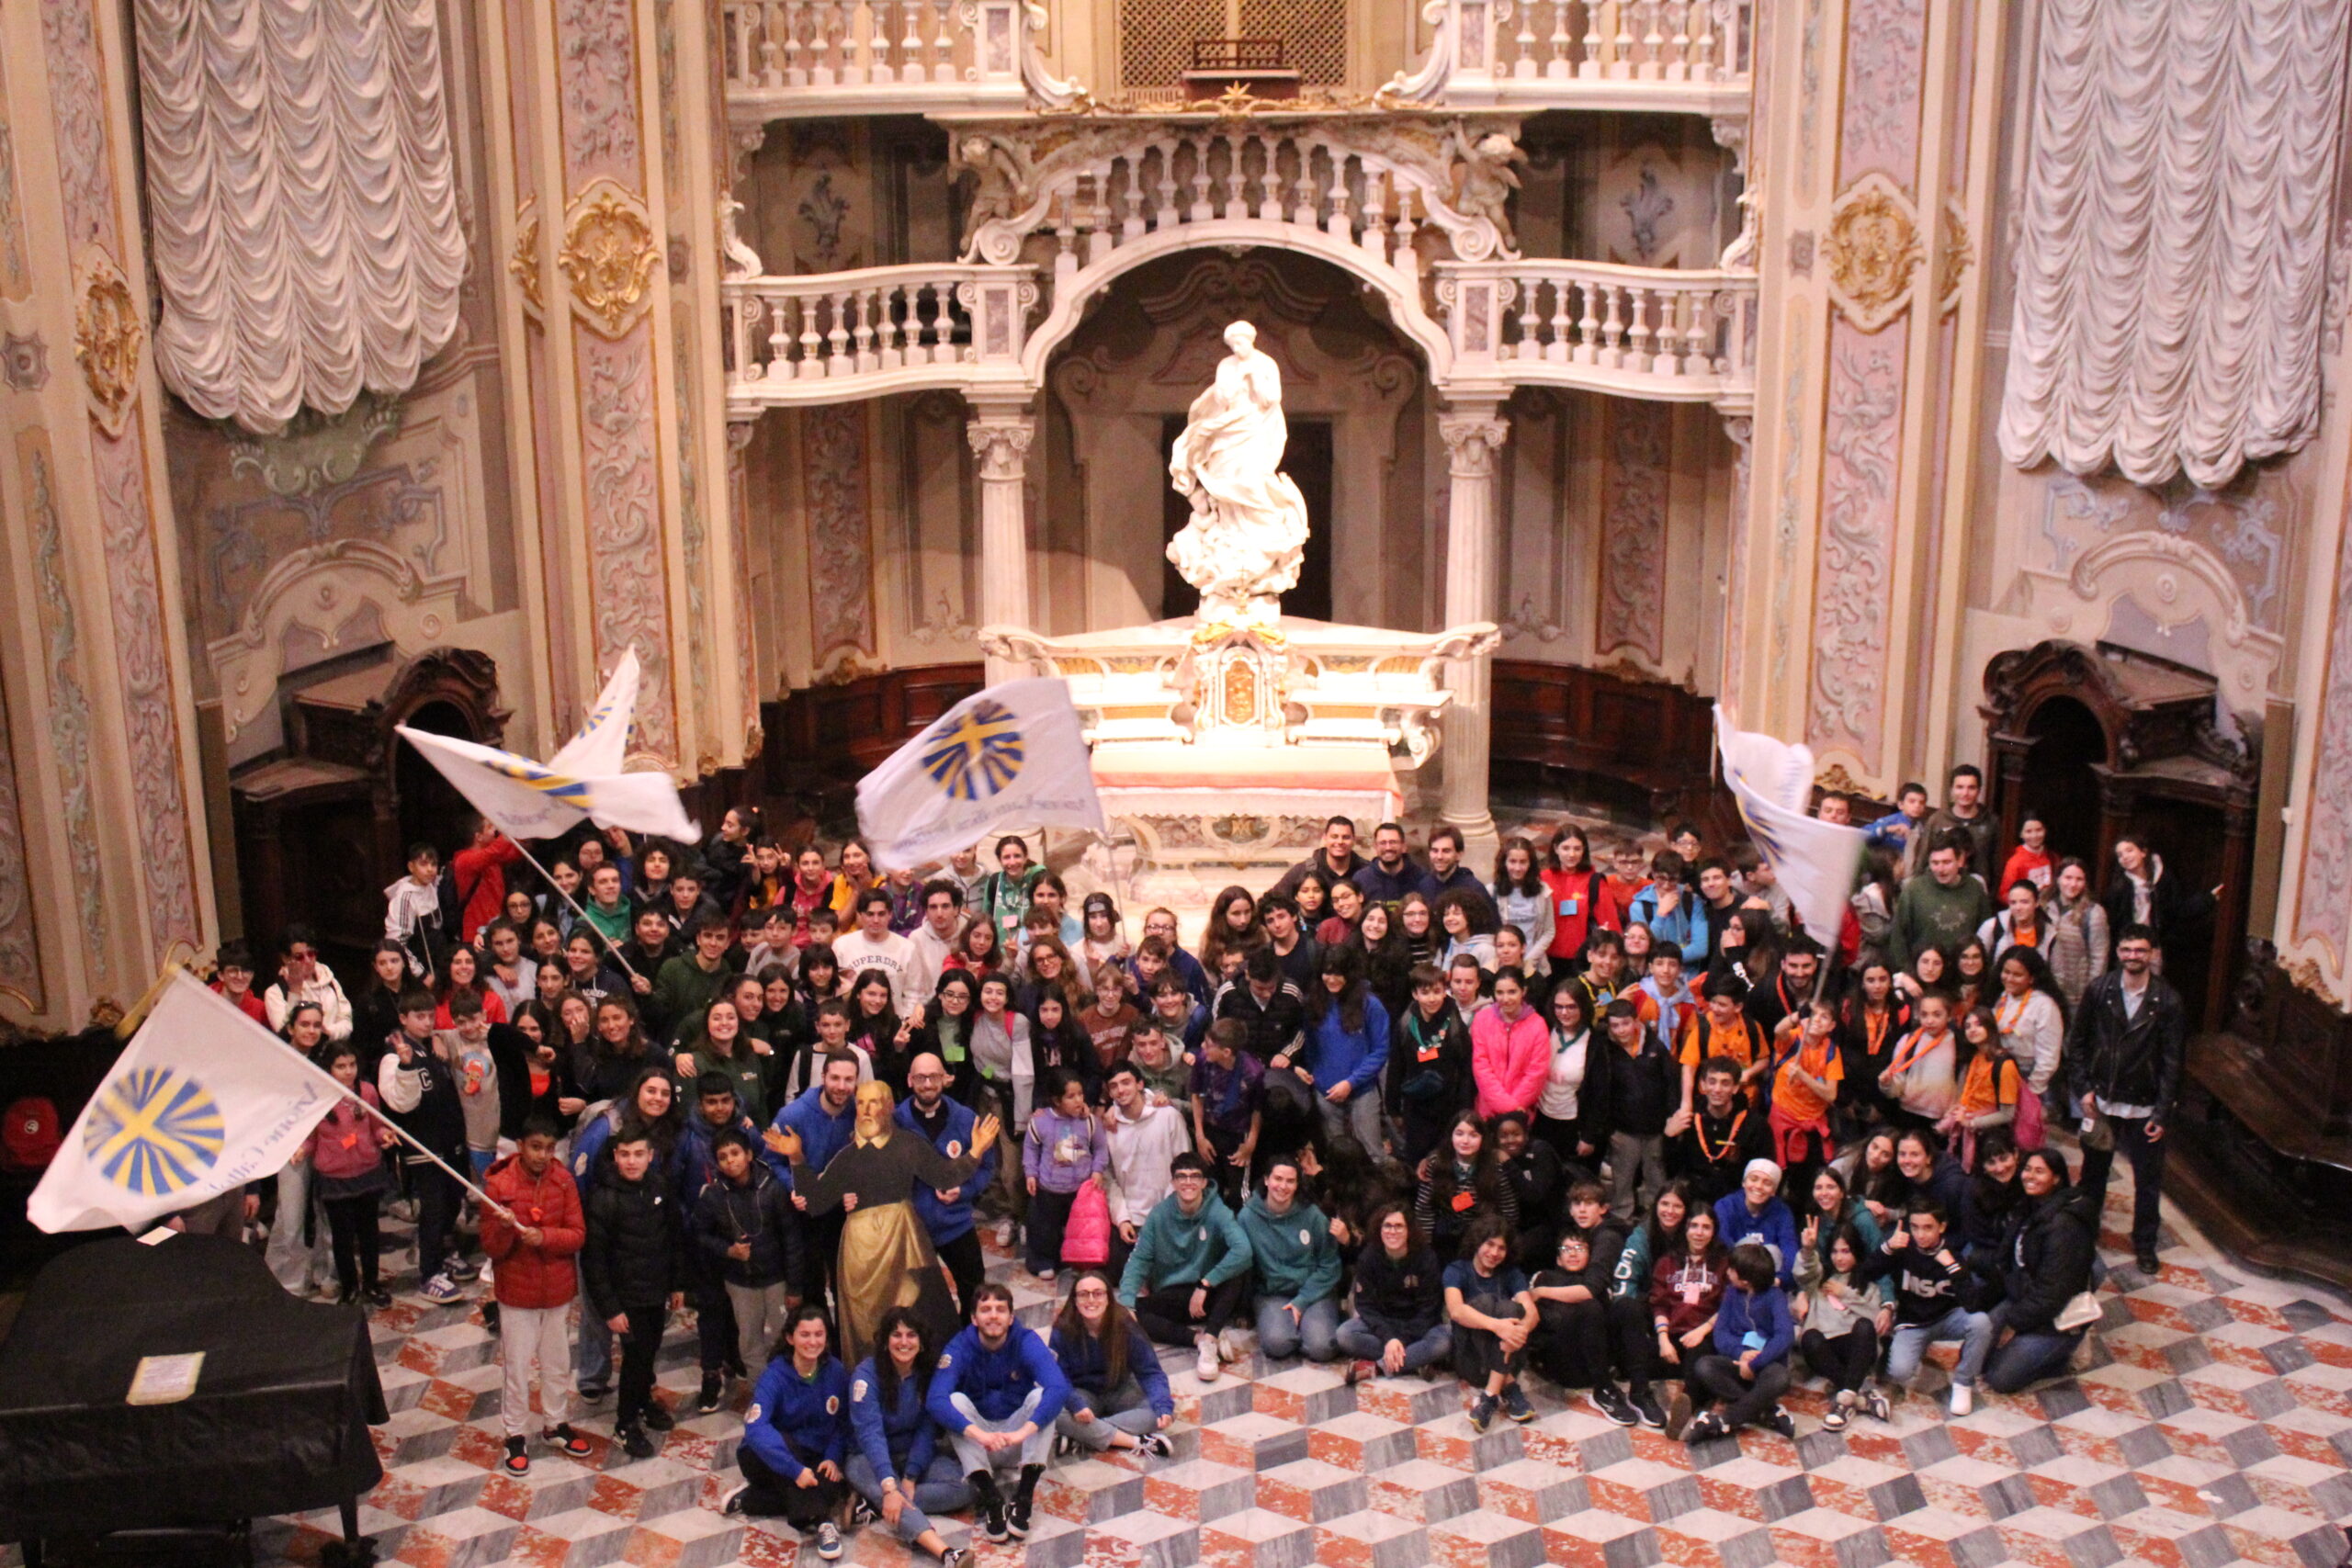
{"x":1000,"y":434}
{"x":1473,"y":435}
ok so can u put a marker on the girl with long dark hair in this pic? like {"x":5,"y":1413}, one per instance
{"x":1464,"y":1179}
{"x":896,"y":1464}
{"x":1119,"y":1396}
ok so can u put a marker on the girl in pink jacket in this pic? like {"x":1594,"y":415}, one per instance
{"x":1511,"y":1049}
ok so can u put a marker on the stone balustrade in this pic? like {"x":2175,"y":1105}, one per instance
{"x":1643,"y":331}
{"x":885,"y":328}
{"x":1691,"y":55}
{"x":805,"y":59}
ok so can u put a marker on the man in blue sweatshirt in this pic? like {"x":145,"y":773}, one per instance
{"x":996,"y":1392}
{"x":1755,"y":1213}
{"x":947,"y":1212}
{"x":1748,"y":1371}
{"x":824,"y":1116}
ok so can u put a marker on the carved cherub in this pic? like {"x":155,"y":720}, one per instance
{"x":1488,"y":179}
{"x":1001,"y":189}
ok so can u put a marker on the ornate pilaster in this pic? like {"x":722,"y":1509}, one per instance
{"x":1474,"y":436}
{"x":104,"y":869}
{"x":1000,"y":434}
{"x":606,"y":149}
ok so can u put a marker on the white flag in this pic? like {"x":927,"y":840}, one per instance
{"x":1815,"y":861}
{"x":1011,"y":755}
{"x":581,"y":782}
{"x":202,"y":1101}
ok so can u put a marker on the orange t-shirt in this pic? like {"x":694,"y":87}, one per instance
{"x":1795,"y":1099}
{"x":1701,"y":1039}
{"x":1979,"y":1094}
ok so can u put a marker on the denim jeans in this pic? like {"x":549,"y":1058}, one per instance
{"x":1973,"y":1329}
{"x":1314,"y":1333}
{"x":941,"y":1489}
{"x":1357,"y":1341}
{"x":2030,"y":1357}
{"x":1124,"y":1409}
{"x":592,"y":1358}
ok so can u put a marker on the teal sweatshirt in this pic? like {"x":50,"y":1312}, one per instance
{"x":1296,"y":1255}
{"x":1174,"y":1248}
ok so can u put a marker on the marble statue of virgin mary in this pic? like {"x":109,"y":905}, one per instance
{"x":1243,"y":546}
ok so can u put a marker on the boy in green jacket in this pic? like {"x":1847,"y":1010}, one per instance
{"x":1190,"y":1269}
{"x":1298,"y":1270}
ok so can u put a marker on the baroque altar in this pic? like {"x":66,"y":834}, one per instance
{"x":1222,"y":741}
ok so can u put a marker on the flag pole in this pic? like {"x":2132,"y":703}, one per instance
{"x":548,"y":878}
{"x":128,"y":1025}
{"x":402,"y":1134}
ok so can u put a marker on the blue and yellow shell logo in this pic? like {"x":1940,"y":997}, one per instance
{"x":153,"y":1131}
{"x":977,"y":755}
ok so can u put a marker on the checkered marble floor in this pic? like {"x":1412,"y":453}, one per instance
{"x":2210,"y":1423}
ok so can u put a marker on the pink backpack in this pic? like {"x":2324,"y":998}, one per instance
{"x":1086,"y":1240}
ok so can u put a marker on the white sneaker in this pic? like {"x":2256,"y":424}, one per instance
{"x":1229,"y":1345}
{"x":1210,"y":1364}
{"x":1963,"y":1399}
{"x":1004,"y":1235}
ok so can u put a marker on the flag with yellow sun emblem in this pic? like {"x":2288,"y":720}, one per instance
{"x":201,"y":1101}
{"x":1010,"y":756}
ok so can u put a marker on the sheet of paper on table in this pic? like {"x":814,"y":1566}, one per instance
{"x":165,"y":1380}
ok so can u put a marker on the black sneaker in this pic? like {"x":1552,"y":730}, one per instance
{"x":1515,"y":1404}
{"x":714,"y":1390}
{"x":992,"y":1520}
{"x":1646,"y":1406}
{"x":377,"y":1297}
{"x":657,"y":1416}
{"x":1612,"y":1403}
{"x":518,"y":1457}
{"x":954,"y":1557}
{"x":1706,"y":1429}
{"x":595,"y":1393}
{"x":861,"y":1513}
{"x":1152,"y":1445}
{"x":1482,"y":1412}
{"x":635,"y":1443}
{"x":734,"y":1503}
{"x":1017,"y":1518}
{"x":1784,"y":1424}
{"x":2149,"y":1264}
{"x":567,"y":1442}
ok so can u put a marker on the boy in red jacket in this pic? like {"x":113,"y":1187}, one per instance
{"x":535,"y":1282}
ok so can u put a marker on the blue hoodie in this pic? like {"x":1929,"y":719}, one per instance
{"x":1686,"y":926}
{"x":790,"y":1416}
{"x":1764,"y":1313}
{"x":948,"y":1221}
{"x":997,"y":1380}
{"x":1083,"y":1362}
{"x":821,"y":1136}
{"x":898,"y":1441}
{"x":1775,"y":1228}
{"x":1334,"y":1052}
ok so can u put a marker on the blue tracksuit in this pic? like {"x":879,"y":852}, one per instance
{"x":997,"y":1380}
{"x":821,"y":1136}
{"x":897,"y":1440}
{"x":794,"y":1423}
{"x":947,"y":1222}
{"x":1774,"y":1227}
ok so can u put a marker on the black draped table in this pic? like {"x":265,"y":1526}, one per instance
{"x":275,"y":1424}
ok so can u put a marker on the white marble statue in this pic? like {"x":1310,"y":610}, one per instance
{"x":1242,"y":547}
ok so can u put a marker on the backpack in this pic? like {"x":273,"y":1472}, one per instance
{"x":1086,"y":1236}
{"x":2027,"y":1127}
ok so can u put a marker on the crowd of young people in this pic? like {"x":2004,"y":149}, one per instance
{"x":1622,"y":1125}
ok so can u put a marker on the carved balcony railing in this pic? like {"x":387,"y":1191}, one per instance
{"x":827,"y":336}
{"x":1690,"y":55}
{"x":805,"y":59}
{"x":1646,"y":332}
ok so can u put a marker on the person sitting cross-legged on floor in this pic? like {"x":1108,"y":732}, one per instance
{"x":895,"y":1465}
{"x":1748,"y":1371}
{"x":1118,"y":1395}
{"x":1189,"y":1273}
{"x":997,"y":1391}
{"x":1400,"y":1324}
